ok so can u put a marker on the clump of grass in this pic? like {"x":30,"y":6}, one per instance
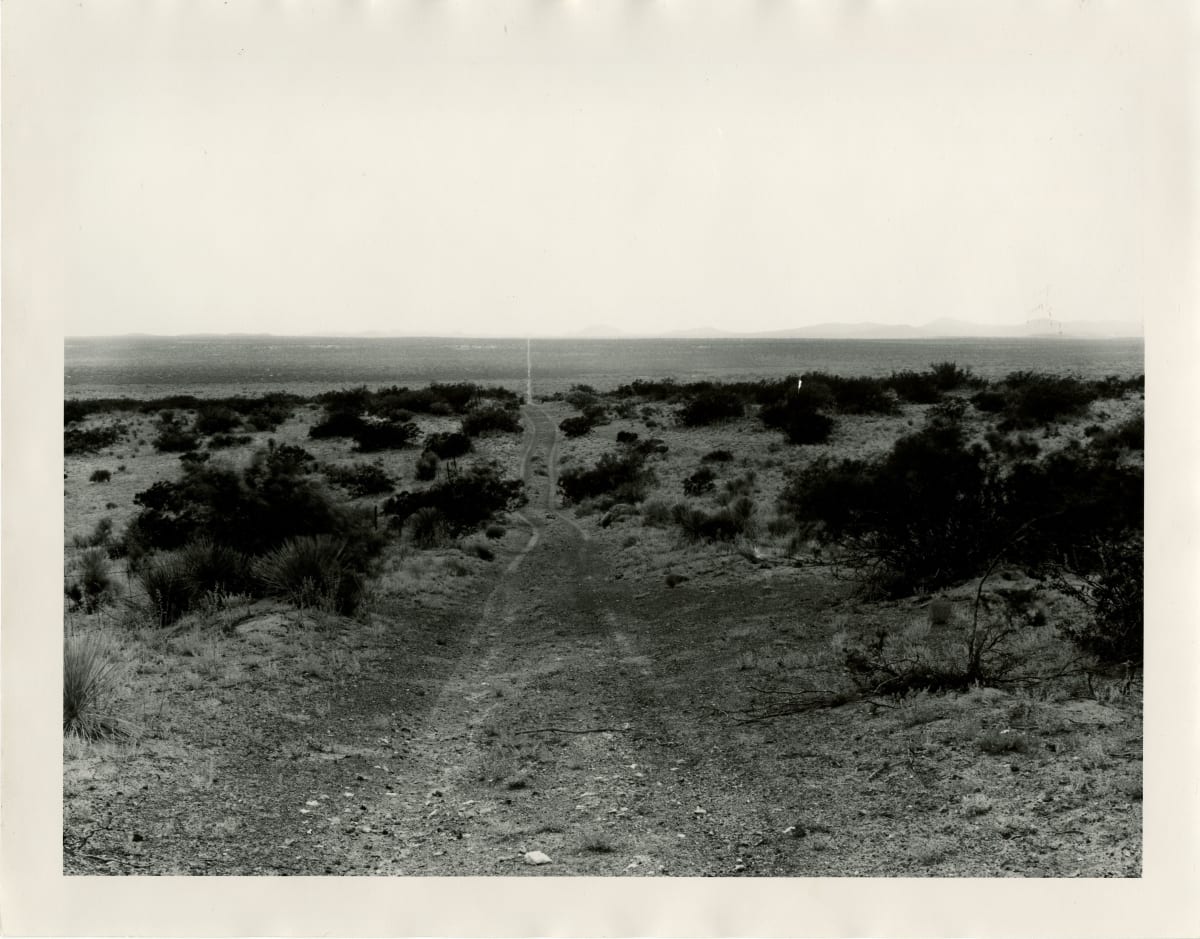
{"x":100,"y":476}
{"x":89,"y":679}
{"x":168,"y":588}
{"x":596,"y":843}
{"x":427,"y":527}
{"x":494,"y":531}
{"x":94,"y":586}
{"x":1002,"y":741}
{"x":99,"y":537}
{"x":311,"y":572}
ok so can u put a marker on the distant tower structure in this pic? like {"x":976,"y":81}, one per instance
{"x":1042,"y":322}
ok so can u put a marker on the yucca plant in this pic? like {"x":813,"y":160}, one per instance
{"x":94,"y":585}
{"x":215,"y":568}
{"x":311,"y":571}
{"x":168,"y":586}
{"x":428,"y":527}
{"x":89,"y":675}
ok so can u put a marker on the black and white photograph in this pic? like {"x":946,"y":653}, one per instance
{"x":604,"y":442}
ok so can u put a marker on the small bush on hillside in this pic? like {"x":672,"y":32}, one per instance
{"x":225,"y":441}
{"x":217,"y":419}
{"x":466,"y":502}
{"x":93,"y":587}
{"x":699,"y":482}
{"x":717,"y":456}
{"x":1038,"y":399}
{"x":360,"y":479}
{"x":213,"y":568}
{"x":725,"y":524}
{"x":798,"y":421}
{"x":175,"y":437}
{"x":168,"y":588}
{"x":100,"y":476}
{"x":312,"y":572}
{"x":341,"y":420}
{"x":575,"y":426}
{"x":448,"y":446}
{"x":373,"y":436}
{"x":1129,"y":435}
{"x":90,"y":707}
{"x":77,"y":441}
{"x":917,"y":387}
{"x":494,"y":531}
{"x":427,"y":527}
{"x":99,"y":537}
{"x":427,"y":466}
{"x":624,"y":478}
{"x":656,"y":513}
{"x":490,"y":419}
{"x":1114,"y":598}
{"x":626,"y":437}
{"x":711,"y":407}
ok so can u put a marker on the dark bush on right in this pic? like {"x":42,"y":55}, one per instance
{"x":576,"y":426}
{"x":1115,"y":629}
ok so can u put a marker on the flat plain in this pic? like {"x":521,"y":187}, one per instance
{"x":591,"y":684}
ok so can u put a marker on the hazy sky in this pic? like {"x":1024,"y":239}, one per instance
{"x":442,"y":166}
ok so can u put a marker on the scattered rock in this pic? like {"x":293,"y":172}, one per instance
{"x":536,"y":857}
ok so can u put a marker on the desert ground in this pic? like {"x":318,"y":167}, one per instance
{"x":579,"y":690}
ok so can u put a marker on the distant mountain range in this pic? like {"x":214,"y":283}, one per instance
{"x":937,"y":329}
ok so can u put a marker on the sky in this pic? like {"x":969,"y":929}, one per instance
{"x":438,"y":166}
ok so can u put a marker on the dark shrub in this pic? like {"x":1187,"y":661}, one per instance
{"x":1039,"y":399}
{"x":918,"y":387}
{"x":168,"y":588}
{"x":224,"y":441}
{"x":626,"y":436}
{"x":312,"y":571}
{"x":427,"y":466}
{"x":93,"y":588}
{"x":948,"y":376}
{"x":488,"y":419}
{"x":340,"y":420}
{"x":699,"y":482}
{"x":175,"y":437}
{"x":373,"y":436}
{"x":575,"y":426}
{"x":216,"y":419}
{"x":1114,"y":631}
{"x":990,"y":400}
{"x":466,"y":502}
{"x":494,"y":531}
{"x":698,"y":525}
{"x":98,"y":538}
{"x":711,"y":407}
{"x":427,"y":527}
{"x":360,"y":479}
{"x":717,"y":456}
{"x":92,"y":440}
{"x":799,"y":423}
{"x":100,"y":476}
{"x":1128,"y":435}
{"x":923,"y":517}
{"x":624,"y":477}
{"x":253,"y":511}
{"x":448,"y":446}
{"x":214,"y":568}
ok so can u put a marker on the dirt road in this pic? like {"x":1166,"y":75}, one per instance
{"x":566,"y":713}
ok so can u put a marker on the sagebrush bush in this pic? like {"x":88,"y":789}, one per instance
{"x":100,"y":476}
{"x":466,"y":502}
{"x":89,"y":683}
{"x":91,"y":440}
{"x":577,"y":426}
{"x":717,"y":456}
{"x":656,"y":513}
{"x":312,"y":572}
{"x":490,"y":419}
{"x":711,"y":406}
{"x":700,"y":482}
{"x":174,"y":436}
{"x":375,"y":435}
{"x":360,"y":479}
{"x":99,"y":537}
{"x":624,"y":477}
{"x":448,"y":446}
